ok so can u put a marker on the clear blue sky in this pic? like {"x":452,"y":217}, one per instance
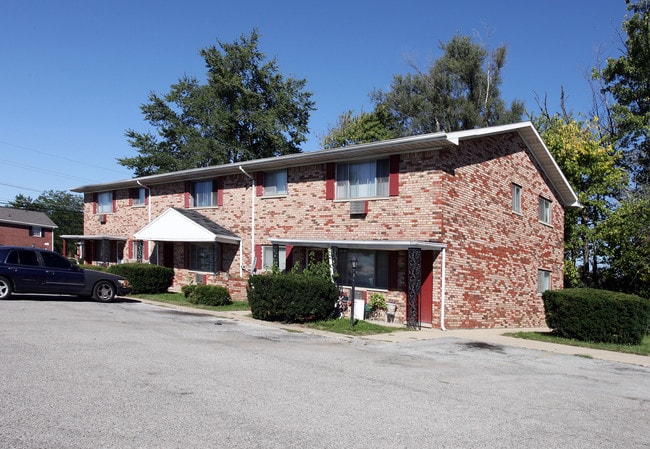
{"x":73,"y":74}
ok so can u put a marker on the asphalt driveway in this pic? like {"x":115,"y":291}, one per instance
{"x":79,"y":374}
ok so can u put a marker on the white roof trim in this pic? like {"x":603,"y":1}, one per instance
{"x":94,"y":237}
{"x":387,"y":245}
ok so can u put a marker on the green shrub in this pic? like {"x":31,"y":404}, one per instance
{"x":145,"y":277}
{"x":92,"y":267}
{"x":209,"y":295}
{"x":187,"y":290}
{"x":597,"y":315}
{"x":291,"y":297}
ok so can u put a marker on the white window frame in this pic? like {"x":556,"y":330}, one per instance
{"x":275,"y":183}
{"x":544,"y":210}
{"x":202,"y":257}
{"x":267,"y":257}
{"x":372,"y":268}
{"x":105,"y":203}
{"x":203,"y":194}
{"x":543,"y":281}
{"x":141,"y":198}
{"x":516,"y":198}
{"x":35,"y":231}
{"x":363,"y":179}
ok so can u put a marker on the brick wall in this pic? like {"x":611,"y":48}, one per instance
{"x":459,"y":196}
{"x":15,"y":235}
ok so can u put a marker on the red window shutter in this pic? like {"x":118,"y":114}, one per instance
{"x":259,"y":181}
{"x":94,"y":203}
{"x":288,"y":250}
{"x":114,"y":200}
{"x":129,"y":245}
{"x":145,"y":251}
{"x":393,"y":180}
{"x":146,"y":196}
{"x":220,"y":192}
{"x":330,"y":173}
{"x":187,"y":194}
{"x":258,"y":257}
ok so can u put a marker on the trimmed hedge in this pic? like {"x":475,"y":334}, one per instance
{"x":291,"y":297}
{"x":597,"y":315}
{"x":209,"y":295}
{"x":145,"y":277}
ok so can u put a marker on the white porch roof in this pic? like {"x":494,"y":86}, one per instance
{"x":182,"y":225}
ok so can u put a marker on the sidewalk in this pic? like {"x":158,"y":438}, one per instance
{"x":491,"y":336}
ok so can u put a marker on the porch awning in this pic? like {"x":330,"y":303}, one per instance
{"x":121,"y":238}
{"x":183,"y":225}
{"x":386,"y":245}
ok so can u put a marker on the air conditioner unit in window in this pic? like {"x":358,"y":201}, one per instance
{"x":358,"y":207}
{"x":102,"y":218}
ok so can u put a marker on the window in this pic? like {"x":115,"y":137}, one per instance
{"x":362,"y":179}
{"x":139,"y":196}
{"x":202,"y":257}
{"x":23,"y":257}
{"x":105,"y":203}
{"x":275,"y":183}
{"x":267,"y":257}
{"x":204,"y":194}
{"x":543,"y":280}
{"x":35,"y":231}
{"x":544,"y":210}
{"x":53,"y":260}
{"x":372,"y":269}
{"x":516,"y":198}
{"x":138,"y":250}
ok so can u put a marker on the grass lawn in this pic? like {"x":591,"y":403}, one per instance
{"x":180,"y":300}
{"x":642,"y":349}
{"x":342,"y":326}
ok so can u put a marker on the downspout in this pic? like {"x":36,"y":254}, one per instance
{"x":149,"y":219}
{"x":252,"y":223}
{"x":442,"y":290}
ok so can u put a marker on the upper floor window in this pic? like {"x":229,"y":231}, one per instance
{"x":362,"y":179}
{"x":139,"y":196}
{"x":544,"y":210}
{"x":275,"y":182}
{"x":35,"y":231}
{"x":516,"y":198}
{"x":204,"y":194}
{"x":105,"y":203}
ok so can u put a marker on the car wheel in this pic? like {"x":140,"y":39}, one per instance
{"x":5,"y":288}
{"x":104,"y":291}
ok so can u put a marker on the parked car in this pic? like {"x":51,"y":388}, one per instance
{"x":33,"y":270}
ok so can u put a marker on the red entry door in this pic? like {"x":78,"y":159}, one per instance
{"x":426,"y":293}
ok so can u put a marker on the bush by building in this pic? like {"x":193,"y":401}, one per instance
{"x":208,"y":295}
{"x":597,"y":315}
{"x":145,"y":277}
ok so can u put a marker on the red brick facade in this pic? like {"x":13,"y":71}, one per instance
{"x":21,"y":235}
{"x":459,"y":196}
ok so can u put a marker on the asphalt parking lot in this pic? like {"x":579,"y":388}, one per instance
{"x":80,"y":374}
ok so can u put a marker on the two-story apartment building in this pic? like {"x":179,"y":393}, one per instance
{"x":19,"y":227}
{"x":460,"y":230}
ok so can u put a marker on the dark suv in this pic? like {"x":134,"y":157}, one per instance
{"x":33,"y":270}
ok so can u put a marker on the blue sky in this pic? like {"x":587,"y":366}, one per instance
{"x":73,"y":74}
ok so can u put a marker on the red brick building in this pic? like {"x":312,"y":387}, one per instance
{"x":20,"y":227}
{"x":460,"y":230}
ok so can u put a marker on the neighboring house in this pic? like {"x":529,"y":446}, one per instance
{"x":460,"y":230}
{"x":19,"y":227}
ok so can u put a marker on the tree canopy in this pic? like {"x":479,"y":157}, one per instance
{"x":627,"y":79}
{"x":246,"y":110}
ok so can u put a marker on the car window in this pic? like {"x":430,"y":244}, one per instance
{"x":28,"y":257}
{"x":12,"y":258}
{"x":53,"y":260}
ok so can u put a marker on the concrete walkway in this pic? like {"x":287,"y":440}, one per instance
{"x":491,"y":336}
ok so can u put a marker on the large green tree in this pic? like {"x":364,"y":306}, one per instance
{"x":627,"y":79}
{"x":460,"y":90}
{"x":351,"y":129}
{"x":592,"y":167}
{"x":246,"y":110}
{"x":63,"y":208}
